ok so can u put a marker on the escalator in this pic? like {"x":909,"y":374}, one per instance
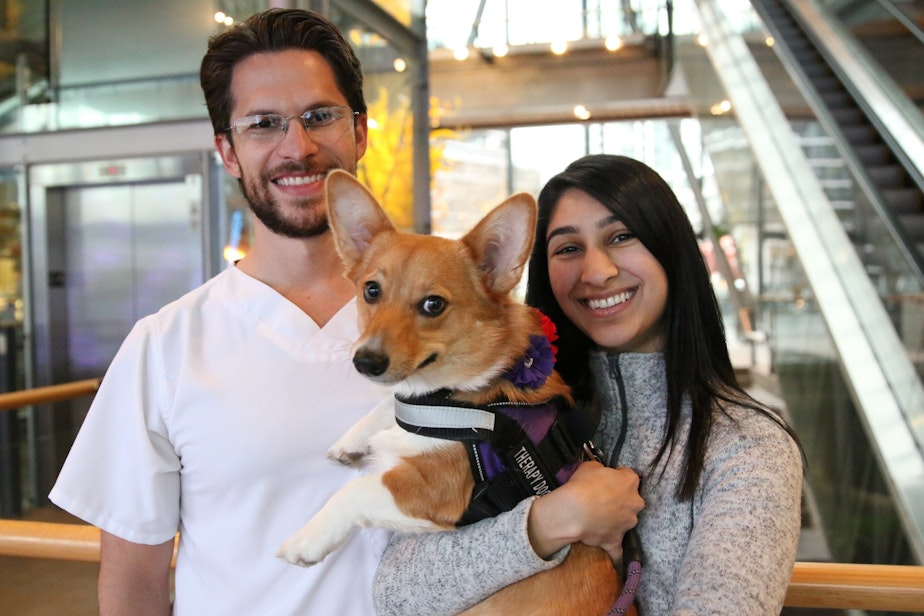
{"x":840,"y":204}
{"x":885,"y":179}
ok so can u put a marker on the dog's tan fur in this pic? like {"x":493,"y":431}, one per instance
{"x":425,"y":484}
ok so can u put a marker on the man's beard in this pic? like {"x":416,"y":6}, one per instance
{"x":312,"y":216}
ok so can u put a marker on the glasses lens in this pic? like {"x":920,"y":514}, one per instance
{"x":263,"y":126}
{"x":324,"y":116}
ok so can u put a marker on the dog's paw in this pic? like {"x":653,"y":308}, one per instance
{"x":301,"y":550}
{"x":323,"y":534}
{"x":293,"y":556}
{"x":348,"y":453}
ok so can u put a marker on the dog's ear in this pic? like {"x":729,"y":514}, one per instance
{"x":503,"y":240}
{"x":355,"y":216}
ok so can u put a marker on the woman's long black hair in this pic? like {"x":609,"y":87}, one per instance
{"x":695,"y":349}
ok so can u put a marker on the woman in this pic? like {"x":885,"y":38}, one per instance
{"x":616,"y":265}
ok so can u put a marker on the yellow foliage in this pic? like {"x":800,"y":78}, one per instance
{"x":388,"y":165}
{"x":399,"y":9}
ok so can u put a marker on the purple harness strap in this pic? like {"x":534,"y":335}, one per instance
{"x":627,"y":597}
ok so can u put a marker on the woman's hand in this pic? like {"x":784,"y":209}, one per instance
{"x":596,"y":506}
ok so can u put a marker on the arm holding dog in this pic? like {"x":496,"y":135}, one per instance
{"x":452,"y":571}
{"x":596,"y":507}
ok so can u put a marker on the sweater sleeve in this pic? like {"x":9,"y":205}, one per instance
{"x":747,"y":520}
{"x":444,"y":573}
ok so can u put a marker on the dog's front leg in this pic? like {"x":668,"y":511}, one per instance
{"x":353,"y":446}
{"x":363,"y":502}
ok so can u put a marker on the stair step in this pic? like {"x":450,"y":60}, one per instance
{"x":913,"y":224}
{"x":816,"y":69}
{"x":838,"y":98}
{"x":904,"y":201}
{"x":826,"y":83}
{"x":873,"y":154}
{"x":890,"y":176}
{"x":842,"y":205}
{"x":848,"y":115}
{"x":860,"y":133}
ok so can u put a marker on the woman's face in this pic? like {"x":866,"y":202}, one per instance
{"x":603,"y":277}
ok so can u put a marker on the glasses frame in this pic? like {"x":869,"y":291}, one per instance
{"x":284,"y":128}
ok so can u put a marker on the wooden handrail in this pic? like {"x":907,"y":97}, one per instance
{"x":50,"y":393}
{"x":78,"y":542}
{"x":884,"y":588}
{"x":895,"y":588}
{"x":53,"y":540}
{"x":888,"y":588}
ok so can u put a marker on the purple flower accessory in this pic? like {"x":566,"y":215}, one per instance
{"x":536,"y":365}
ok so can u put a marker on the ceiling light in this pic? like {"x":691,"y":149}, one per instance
{"x":613,"y":43}
{"x":581,"y":112}
{"x":559,"y":47}
{"x":720,"y":108}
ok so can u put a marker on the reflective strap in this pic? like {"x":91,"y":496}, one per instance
{"x":443,"y":417}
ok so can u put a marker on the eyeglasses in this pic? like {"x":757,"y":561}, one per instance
{"x":270,"y":127}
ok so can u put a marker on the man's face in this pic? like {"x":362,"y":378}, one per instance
{"x":283,"y":178}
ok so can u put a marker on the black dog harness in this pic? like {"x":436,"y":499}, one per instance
{"x":515,"y":450}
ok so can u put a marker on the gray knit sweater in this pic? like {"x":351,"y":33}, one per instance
{"x":728,"y":551}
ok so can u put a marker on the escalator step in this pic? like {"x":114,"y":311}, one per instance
{"x":848,"y":115}
{"x":838,"y":98}
{"x":860,"y":133}
{"x":826,"y":83}
{"x":816,"y":69}
{"x":890,"y":176}
{"x":914,"y":226}
{"x":843,"y":205}
{"x":904,"y":201}
{"x":873,"y":155}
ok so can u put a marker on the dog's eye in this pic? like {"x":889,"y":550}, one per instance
{"x":432,"y":306}
{"x":372,"y":292}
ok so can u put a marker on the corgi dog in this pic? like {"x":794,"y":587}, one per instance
{"x":436,"y":314}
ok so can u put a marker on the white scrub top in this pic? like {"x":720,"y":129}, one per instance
{"x":214,"y":419}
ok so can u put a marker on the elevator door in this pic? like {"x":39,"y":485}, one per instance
{"x":102,"y":257}
{"x":124,"y":252}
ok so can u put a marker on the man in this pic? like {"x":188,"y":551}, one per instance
{"x":214,"y":418}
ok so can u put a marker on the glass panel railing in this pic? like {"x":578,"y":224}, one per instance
{"x":873,"y":195}
{"x":816,"y":302}
{"x":110,"y":104}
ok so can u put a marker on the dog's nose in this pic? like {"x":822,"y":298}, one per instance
{"x":370,"y":363}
